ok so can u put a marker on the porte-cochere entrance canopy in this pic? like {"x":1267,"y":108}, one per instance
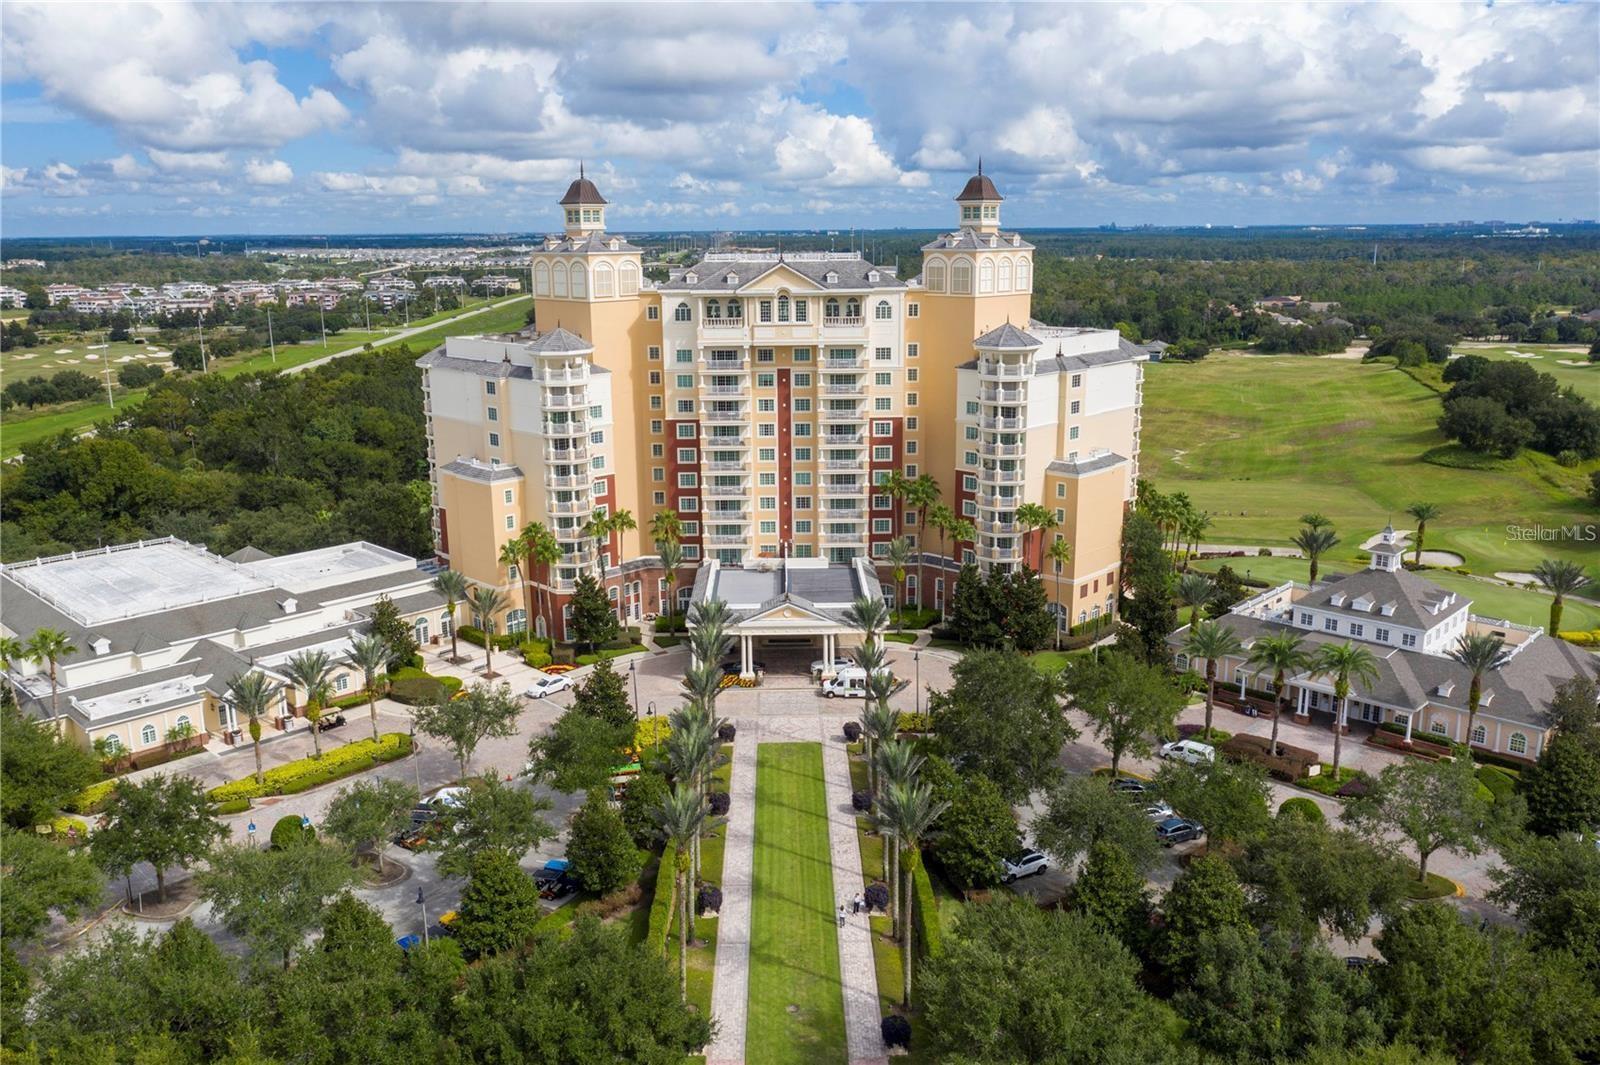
{"x":787,"y":604}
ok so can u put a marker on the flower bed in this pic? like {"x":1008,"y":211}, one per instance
{"x":555,"y":669}
{"x":91,"y":799}
{"x":295,"y":777}
{"x":733,"y":680}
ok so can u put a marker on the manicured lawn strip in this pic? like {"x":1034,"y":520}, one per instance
{"x":900,"y":637}
{"x":794,"y":945}
{"x":1436,"y":887}
{"x":703,"y":948}
{"x":1238,"y":436}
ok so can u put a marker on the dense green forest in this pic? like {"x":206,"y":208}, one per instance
{"x":285,"y":462}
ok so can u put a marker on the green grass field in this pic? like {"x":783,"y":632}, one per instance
{"x":1584,"y":379}
{"x":1258,"y":441}
{"x":1489,"y":598}
{"x":796,"y":1004}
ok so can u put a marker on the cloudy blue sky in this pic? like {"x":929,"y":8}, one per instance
{"x":332,"y":117}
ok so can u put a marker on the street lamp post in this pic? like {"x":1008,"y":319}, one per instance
{"x":916,"y":660}
{"x":422,"y":903}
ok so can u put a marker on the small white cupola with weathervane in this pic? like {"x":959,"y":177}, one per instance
{"x":1386,"y":553}
{"x":980,"y":203}
{"x":583,"y":208}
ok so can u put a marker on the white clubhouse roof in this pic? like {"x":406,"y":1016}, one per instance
{"x":96,"y":587}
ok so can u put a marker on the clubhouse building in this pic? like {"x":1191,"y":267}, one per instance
{"x":1410,"y":625}
{"x":771,"y":400}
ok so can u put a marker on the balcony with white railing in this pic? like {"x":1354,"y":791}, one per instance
{"x":722,"y":325}
{"x":728,"y":441}
{"x":845,"y":464}
{"x":1002,"y":528}
{"x":852,"y":412}
{"x":716,"y":414}
{"x":725,"y":539}
{"x":1000,"y":554}
{"x":725,"y":490}
{"x":725,"y":390}
{"x":569,"y":427}
{"x":724,"y":363}
{"x":726,"y":465}
{"x":842,"y":362}
{"x":993,"y":449}
{"x":845,"y":514}
{"x":996,"y":475}
{"x":843,"y":321}
{"x":573,"y":506}
{"x":842,"y":440}
{"x":576,"y":453}
{"x":1003,"y":424}
{"x":995,"y":501}
{"x":993,"y":394}
{"x":552,"y":375}
{"x":553,"y":480}
{"x":858,"y":388}
{"x":844,"y":488}
{"x":835,"y":537}
{"x":565,"y":400}
{"x":988,"y":369}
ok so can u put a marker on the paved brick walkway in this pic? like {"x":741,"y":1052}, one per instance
{"x":857,"y":971}
{"x":731,"y":978}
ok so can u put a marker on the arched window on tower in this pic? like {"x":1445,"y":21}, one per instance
{"x":680,"y":313}
{"x":1003,"y":282}
{"x":1024,"y":281}
{"x":783,"y":307}
{"x":735,"y":309}
{"x":604,"y":280}
{"x":558,"y":280}
{"x":933,"y":276}
{"x":580,"y":281}
{"x":883,"y":311}
{"x":831,"y":308}
{"x":852,"y":308}
{"x":628,"y":275}
{"x":713,"y":310}
{"x":961,"y":277}
{"x":541,"y":278}
{"x":986,"y":276}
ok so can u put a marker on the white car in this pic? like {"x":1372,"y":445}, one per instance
{"x":548,"y":684}
{"x":1192,"y":751}
{"x":839,"y":662}
{"x":1028,"y":863}
{"x":449,"y":798}
{"x":1158,"y":811}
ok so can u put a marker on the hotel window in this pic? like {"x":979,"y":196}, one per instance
{"x":655,"y":427}
{"x":691,"y":552}
{"x":680,"y":313}
{"x":506,"y":495}
{"x":658,"y":498}
{"x":766,"y":405}
{"x":1480,"y":735}
{"x":766,"y":355}
{"x":494,"y":439}
{"x":691,"y":528}
{"x":685,"y":380}
{"x":883,"y":428}
{"x":1330,"y":624}
{"x":783,"y":308}
{"x":882,"y":525}
{"x":1381,"y":634}
{"x":1518,"y":743}
{"x":657,"y":473}
{"x":767,"y":429}
{"x":685,"y":406}
{"x":801,"y":355}
{"x":802,"y":405}
{"x":1438,"y":728}
{"x":970,"y":458}
{"x":686,"y":455}
{"x":802,"y":454}
{"x":802,"y":380}
{"x":911,"y":399}
{"x":911,"y":447}
{"x":767,"y":454}
{"x":803,"y":503}
{"x":1077,"y":380}
{"x":597,"y":437}
{"x":883,"y":380}
{"x":961,"y":277}
{"x":802,"y":526}
{"x":1357,"y":630}
{"x":1076,"y":406}
{"x":494,"y":414}
{"x":883,"y":354}
{"x":911,"y":349}
{"x":883,"y":312}
{"x":686,"y":430}
{"x":883,"y":404}
{"x":972,"y":432}
{"x":911,"y":470}
{"x":511,"y":521}
{"x":972,"y":407}
{"x":969,"y":509}
{"x":769,"y":528}
{"x":913,"y":310}
{"x":802,"y":478}
{"x":883,"y":454}
{"x":597,"y":463}
{"x":655,"y":377}
{"x":1072,"y":433}
{"x":597,"y":411}
{"x":911,"y":374}
{"x":769,"y":503}
{"x":882,"y":502}
{"x":766,"y":310}
{"x":488,"y":387}
{"x":689,"y":504}
{"x":1407,"y":640}
{"x":768,"y":480}
{"x":802,"y":429}
{"x":653,"y":313}
{"x":969,"y":482}
{"x":654,"y":351}
{"x":1305,"y":619}
{"x":933,"y":276}
{"x":683,"y":356}
{"x":911,"y":424}
{"x":766,"y":380}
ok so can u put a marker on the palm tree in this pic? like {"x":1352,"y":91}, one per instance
{"x":486,"y":603}
{"x":671,"y":553}
{"x":899,"y":557}
{"x":313,"y":671}
{"x":1562,"y":578}
{"x":1316,"y":520}
{"x":621,"y":522}
{"x":880,"y":723}
{"x":869,"y":615}
{"x":1344,"y":662}
{"x":1194,"y":527}
{"x":1033,"y":516}
{"x":1195,"y":590}
{"x":941,"y":516}
{"x":370,"y":653}
{"x":252,"y":694}
{"x":513,"y":558}
{"x":47,"y":647}
{"x":908,"y":812}
{"x":1315,"y":543}
{"x":680,"y":817}
{"x":922,"y":493}
{"x":453,"y":586}
{"x":1424,"y":513}
{"x":665,"y":528}
{"x":896,"y":765}
{"x":1285,"y":655}
{"x":690,"y":751}
{"x":1480,"y":653}
{"x":1060,"y":553}
{"x":1212,"y":641}
{"x":545,"y":550}
{"x":703,"y":681}
{"x":11,"y":652}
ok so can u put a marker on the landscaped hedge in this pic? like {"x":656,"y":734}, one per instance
{"x":911,"y":721}
{"x":661,"y":908}
{"x":91,"y":800}
{"x":348,"y":702}
{"x":930,"y":936}
{"x":503,"y":641}
{"x":295,"y":777}
{"x":417,"y":688}
{"x":1591,"y":638}
{"x":1499,"y":782}
{"x":536,"y":653}
{"x":611,"y":650}
{"x":672,"y":623}
{"x":232,"y":806}
{"x":1304,"y":808}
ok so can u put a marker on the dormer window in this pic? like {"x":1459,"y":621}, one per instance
{"x":831,"y":277}
{"x":872,"y":275}
{"x":1336,"y":599}
{"x":731,"y":279}
{"x":691,"y":278}
{"x":1387,"y":610}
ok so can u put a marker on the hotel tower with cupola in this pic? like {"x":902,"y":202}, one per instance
{"x":765,"y":398}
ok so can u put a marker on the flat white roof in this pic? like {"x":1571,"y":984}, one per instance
{"x":116,"y":703}
{"x":324,"y":566}
{"x":131,"y":580}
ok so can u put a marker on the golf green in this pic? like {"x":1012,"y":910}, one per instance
{"x":796,"y":1006}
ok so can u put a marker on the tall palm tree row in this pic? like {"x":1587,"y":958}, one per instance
{"x":1423,"y":513}
{"x":1480,"y":653}
{"x":1284,"y":655}
{"x":922,"y":494}
{"x":1562,"y":578}
{"x":453,"y":586}
{"x":1196,"y":590}
{"x":942,"y":518}
{"x":252,"y":694}
{"x":514,"y":558}
{"x":370,"y":653}
{"x":313,"y":672}
{"x":671,"y":553}
{"x":897,"y":764}
{"x":899,"y":557}
{"x":907,"y":812}
{"x":1344,"y":662}
{"x":1032,"y":517}
{"x":1214,"y":641}
{"x":1059,"y":553}
{"x":680,"y":817}
{"x":486,"y":603}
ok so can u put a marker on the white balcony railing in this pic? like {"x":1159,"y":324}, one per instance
{"x":724,"y":390}
{"x":1002,"y":423}
{"x":725,"y":465}
{"x":1004,"y":370}
{"x":715,"y":415}
{"x":565,"y":400}
{"x":842,"y":321}
{"x":997,"y":450}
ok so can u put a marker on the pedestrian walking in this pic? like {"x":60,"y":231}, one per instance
{"x":841,"y":915}
{"x":860,"y":903}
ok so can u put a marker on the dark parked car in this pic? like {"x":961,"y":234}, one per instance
{"x":1129,"y":786}
{"x":1178,"y":830}
{"x":555,"y":881}
{"x":731,"y":669}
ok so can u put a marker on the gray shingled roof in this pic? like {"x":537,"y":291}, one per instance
{"x":499,"y":369}
{"x":559,"y":341}
{"x":1068,"y":468}
{"x":476,"y":471}
{"x":972,"y":240}
{"x":590,"y":242}
{"x":850,"y":274}
{"x":1410,"y":594}
{"x":248,"y":553}
{"x":1007,"y":338}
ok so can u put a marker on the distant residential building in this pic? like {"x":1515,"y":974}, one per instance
{"x":498,"y":283}
{"x":24,"y":264}
{"x":12,"y":297}
{"x":160,"y":627}
{"x":454,"y":281}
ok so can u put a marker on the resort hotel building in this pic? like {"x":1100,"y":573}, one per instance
{"x":1410,"y":625}
{"x":765,"y":398}
{"x":160,"y":628}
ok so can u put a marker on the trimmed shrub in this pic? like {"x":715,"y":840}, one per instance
{"x":709,"y":899}
{"x":503,"y":641}
{"x":536,"y":653}
{"x":91,"y":800}
{"x":727,"y":731}
{"x":877,"y":896}
{"x":896,"y":1031}
{"x":720,"y":802}
{"x":1590,"y":638}
{"x":852,"y":731}
{"x":911,"y":721}
{"x":672,"y":623}
{"x":232,"y":806}
{"x":295,"y":777}
{"x":930,"y":937}
{"x":289,"y":830}
{"x":661,"y":908}
{"x":1303,"y":808}
{"x":1497,"y":782}
{"x":861,"y":800}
